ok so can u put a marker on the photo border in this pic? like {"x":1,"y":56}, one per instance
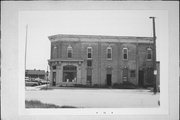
{"x":13,"y":8}
{"x":162,"y":109}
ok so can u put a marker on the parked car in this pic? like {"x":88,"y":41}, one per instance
{"x":44,"y":81}
{"x":36,"y":80}
{"x":30,"y":83}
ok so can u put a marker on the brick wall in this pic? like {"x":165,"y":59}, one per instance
{"x":99,"y":57}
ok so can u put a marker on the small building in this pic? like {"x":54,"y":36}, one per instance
{"x":101,"y":60}
{"x":35,"y":74}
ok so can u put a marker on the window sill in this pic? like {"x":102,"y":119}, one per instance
{"x":148,"y":59}
{"x":108,"y":58}
{"x":125,"y":59}
{"x":89,"y":67}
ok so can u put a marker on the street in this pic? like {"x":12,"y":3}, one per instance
{"x":95,"y":98}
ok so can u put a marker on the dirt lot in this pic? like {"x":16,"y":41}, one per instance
{"x":95,"y":98}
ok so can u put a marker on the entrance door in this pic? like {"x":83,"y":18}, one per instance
{"x":108,"y":77}
{"x":54,"y":79}
{"x":141,"y":78}
{"x":149,"y":76}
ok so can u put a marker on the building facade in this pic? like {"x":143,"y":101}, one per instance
{"x":32,"y":74}
{"x":100,"y":60}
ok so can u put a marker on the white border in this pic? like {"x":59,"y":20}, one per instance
{"x":168,"y":109}
{"x":163,"y":109}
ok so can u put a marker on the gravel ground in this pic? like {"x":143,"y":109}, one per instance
{"x":95,"y":98}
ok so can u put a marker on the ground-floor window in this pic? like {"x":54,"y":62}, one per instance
{"x":133,"y":73}
{"x":89,"y":79}
{"x":69,"y":73}
{"x":69,"y":77}
{"x":89,"y":63}
{"x":53,"y":67}
{"x":89,"y":76}
{"x":125,"y":74}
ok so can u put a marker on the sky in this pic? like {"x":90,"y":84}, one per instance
{"x":42,"y":24}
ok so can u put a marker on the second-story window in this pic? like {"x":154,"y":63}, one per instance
{"x":69,"y":51}
{"x":109,"y":53}
{"x":54,"y":51}
{"x":89,"y":52}
{"x":125,"y":53}
{"x":149,"y":53}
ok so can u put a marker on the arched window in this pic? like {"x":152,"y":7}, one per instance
{"x":149,"y":53}
{"x":69,"y":51}
{"x":55,"y":51}
{"x":109,"y":53}
{"x":125,"y":53}
{"x":89,"y":52}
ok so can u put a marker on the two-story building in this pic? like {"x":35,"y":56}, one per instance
{"x":100,"y":60}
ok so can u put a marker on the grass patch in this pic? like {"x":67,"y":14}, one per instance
{"x":39,"y":104}
{"x":45,"y":88}
{"x":124,"y":85}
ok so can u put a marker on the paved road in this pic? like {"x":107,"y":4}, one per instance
{"x":95,"y":98}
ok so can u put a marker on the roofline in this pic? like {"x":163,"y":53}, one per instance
{"x":53,"y":37}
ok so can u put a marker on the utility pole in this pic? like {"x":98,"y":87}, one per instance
{"x":26,"y":48}
{"x":47,"y":78}
{"x":137,"y":62}
{"x":47,"y":74}
{"x":154,"y":54}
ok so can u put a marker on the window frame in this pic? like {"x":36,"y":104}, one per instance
{"x":89,"y":79}
{"x":91,"y":63}
{"x":125,"y":74}
{"x":89,"y":76}
{"x":69,"y":48}
{"x":132,"y":73}
{"x":109,"y":48}
{"x":147,"y":50}
{"x":124,"y":53}
{"x":55,"y":51}
{"x":88,"y":52}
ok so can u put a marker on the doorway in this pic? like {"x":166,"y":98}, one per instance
{"x":54,"y":79}
{"x":141,"y":78}
{"x":149,"y":76}
{"x":108,"y":77}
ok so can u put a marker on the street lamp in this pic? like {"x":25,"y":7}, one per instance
{"x":154,"y":55}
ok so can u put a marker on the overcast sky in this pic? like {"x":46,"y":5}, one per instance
{"x":42,"y":24}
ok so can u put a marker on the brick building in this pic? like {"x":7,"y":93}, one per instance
{"x":100,"y":60}
{"x":32,"y":74}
